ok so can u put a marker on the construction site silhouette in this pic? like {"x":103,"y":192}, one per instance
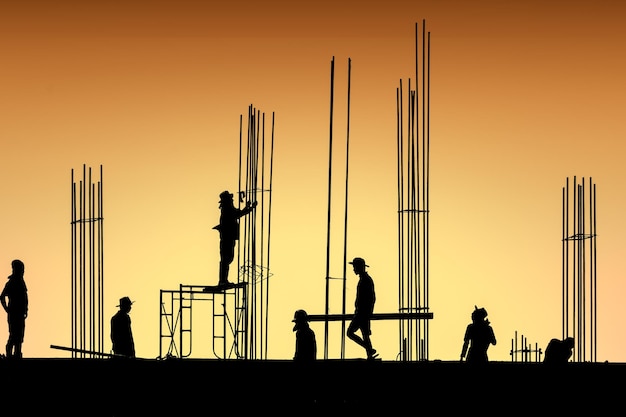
{"x":318,"y":379}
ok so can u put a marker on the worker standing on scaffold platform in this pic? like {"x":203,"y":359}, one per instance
{"x":229,"y":233}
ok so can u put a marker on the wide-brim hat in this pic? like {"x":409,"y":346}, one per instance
{"x":225,"y":195}
{"x":358,"y":261}
{"x":125,"y":301}
{"x":300,"y":316}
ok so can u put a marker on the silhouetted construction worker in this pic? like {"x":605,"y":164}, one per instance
{"x":363,"y":308}
{"x":121,"y":331}
{"x":559,"y":351}
{"x":306,"y":345}
{"x":478,"y":336}
{"x":229,"y":232}
{"x":14,"y":299}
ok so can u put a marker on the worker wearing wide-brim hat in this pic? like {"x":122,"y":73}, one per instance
{"x":363,"y":308}
{"x":121,"y":330}
{"x":306,"y":345}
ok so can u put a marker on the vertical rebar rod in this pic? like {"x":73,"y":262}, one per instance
{"x":73,"y":271}
{"x":582,"y":276}
{"x":427,"y":205}
{"x":247,"y":320}
{"x":400,"y":203}
{"x":82,"y":263}
{"x":412,"y":131}
{"x":564,"y":259}
{"x":269,"y":228}
{"x":594,"y":275}
{"x":345,"y":219}
{"x":404,"y":337}
{"x":92,"y":289}
{"x":262,"y":305}
{"x":101,"y":256}
{"x":253,"y":260}
{"x":330,"y":170}
{"x":421,"y":194}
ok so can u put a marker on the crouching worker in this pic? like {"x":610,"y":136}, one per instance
{"x":559,"y":351}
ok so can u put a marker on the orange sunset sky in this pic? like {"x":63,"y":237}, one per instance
{"x":524,"y":94}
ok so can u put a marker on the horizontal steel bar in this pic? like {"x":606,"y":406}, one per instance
{"x":375,"y":316}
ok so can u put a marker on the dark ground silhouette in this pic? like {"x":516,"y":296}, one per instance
{"x":110,"y":387}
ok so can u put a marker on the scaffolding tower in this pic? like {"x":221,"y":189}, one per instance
{"x":239,"y":315}
{"x":227,"y":313}
{"x":87,"y":265}
{"x":579,"y":277}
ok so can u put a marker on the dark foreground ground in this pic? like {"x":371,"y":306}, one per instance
{"x":180,"y":387}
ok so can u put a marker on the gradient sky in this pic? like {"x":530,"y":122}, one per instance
{"x":524,"y":94}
